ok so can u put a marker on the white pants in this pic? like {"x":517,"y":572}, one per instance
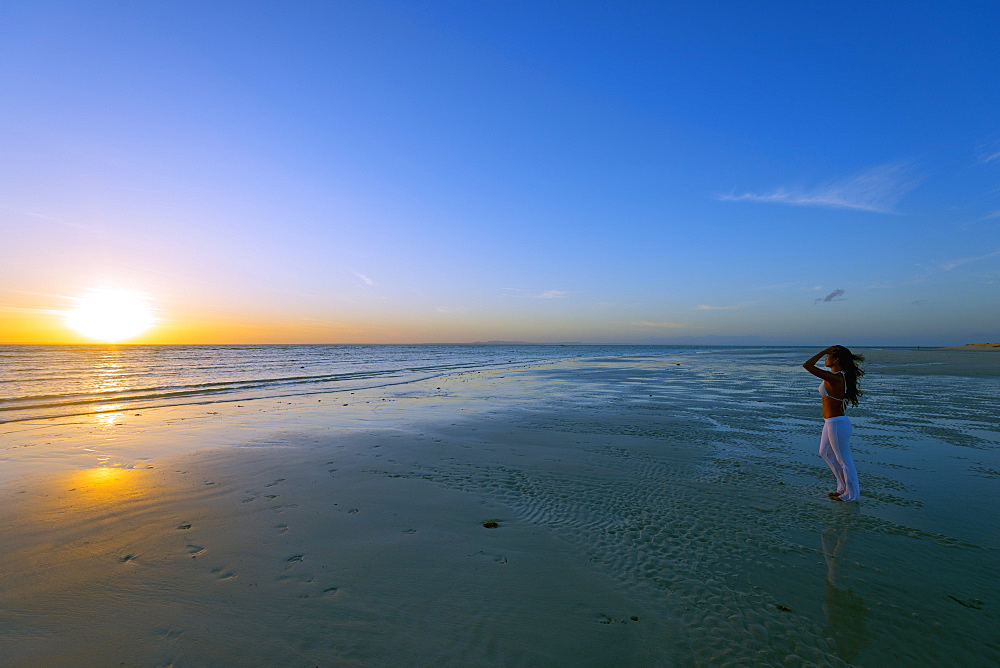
{"x":835,"y":449}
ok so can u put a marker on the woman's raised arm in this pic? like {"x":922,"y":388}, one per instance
{"x":810,"y":365}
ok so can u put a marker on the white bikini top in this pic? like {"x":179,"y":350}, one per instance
{"x":822,"y":390}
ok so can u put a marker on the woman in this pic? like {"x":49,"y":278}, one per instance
{"x":839,"y":388}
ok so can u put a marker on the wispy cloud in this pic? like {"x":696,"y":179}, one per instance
{"x":364,"y":279}
{"x":948,"y":266}
{"x":988,"y":151}
{"x":662,"y":325}
{"x":24,"y":309}
{"x":878,"y":189}
{"x":522,"y":293}
{"x":50,"y":219}
{"x":835,"y":296}
{"x":709,"y":307}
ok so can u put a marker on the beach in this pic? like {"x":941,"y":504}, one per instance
{"x":651,"y":510}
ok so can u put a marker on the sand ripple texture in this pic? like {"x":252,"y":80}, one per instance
{"x":704,"y":499}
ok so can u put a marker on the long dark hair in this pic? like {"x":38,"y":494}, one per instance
{"x":850,"y":364}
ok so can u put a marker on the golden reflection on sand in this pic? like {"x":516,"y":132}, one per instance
{"x":104,"y":486}
{"x":108,"y":420}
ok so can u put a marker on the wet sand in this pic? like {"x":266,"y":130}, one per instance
{"x":974,"y":362}
{"x":650,"y":512}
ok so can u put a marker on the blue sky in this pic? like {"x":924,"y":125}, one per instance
{"x":768,"y":172}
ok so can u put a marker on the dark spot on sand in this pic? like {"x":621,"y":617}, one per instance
{"x":606,"y":619}
{"x":127,"y":557}
{"x":783,"y":608}
{"x":186,"y":525}
{"x":297,"y":557}
{"x":492,"y":524}
{"x":974,"y":603}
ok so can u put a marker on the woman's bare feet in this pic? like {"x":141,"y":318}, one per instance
{"x":834,"y":495}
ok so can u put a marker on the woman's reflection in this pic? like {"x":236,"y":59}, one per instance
{"x":846,"y":613}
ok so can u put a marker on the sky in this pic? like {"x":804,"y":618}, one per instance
{"x":772,"y":173}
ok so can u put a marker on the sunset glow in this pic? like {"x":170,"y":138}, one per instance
{"x":396,"y":172}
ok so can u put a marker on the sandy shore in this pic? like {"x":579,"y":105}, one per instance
{"x":644,"y":518}
{"x":977,"y":346}
{"x":959,"y":361}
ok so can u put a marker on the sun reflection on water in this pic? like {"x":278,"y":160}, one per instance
{"x":108,"y":373}
{"x":108,"y":379}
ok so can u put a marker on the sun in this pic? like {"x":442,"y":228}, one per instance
{"x":110,"y":315}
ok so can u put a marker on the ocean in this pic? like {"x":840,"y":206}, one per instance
{"x":60,"y":381}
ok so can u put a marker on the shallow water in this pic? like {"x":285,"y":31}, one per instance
{"x":738,"y":551}
{"x":680,"y":489}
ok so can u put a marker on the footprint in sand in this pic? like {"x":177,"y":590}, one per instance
{"x":282,"y":528}
{"x":195,"y":550}
{"x":293,"y":578}
{"x":222,"y":574}
{"x":169,"y":634}
{"x":498,"y":558}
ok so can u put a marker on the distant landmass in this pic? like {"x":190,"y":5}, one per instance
{"x":522,"y":343}
{"x":977,"y":346}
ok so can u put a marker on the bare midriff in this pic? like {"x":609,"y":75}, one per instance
{"x":832,"y":407}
